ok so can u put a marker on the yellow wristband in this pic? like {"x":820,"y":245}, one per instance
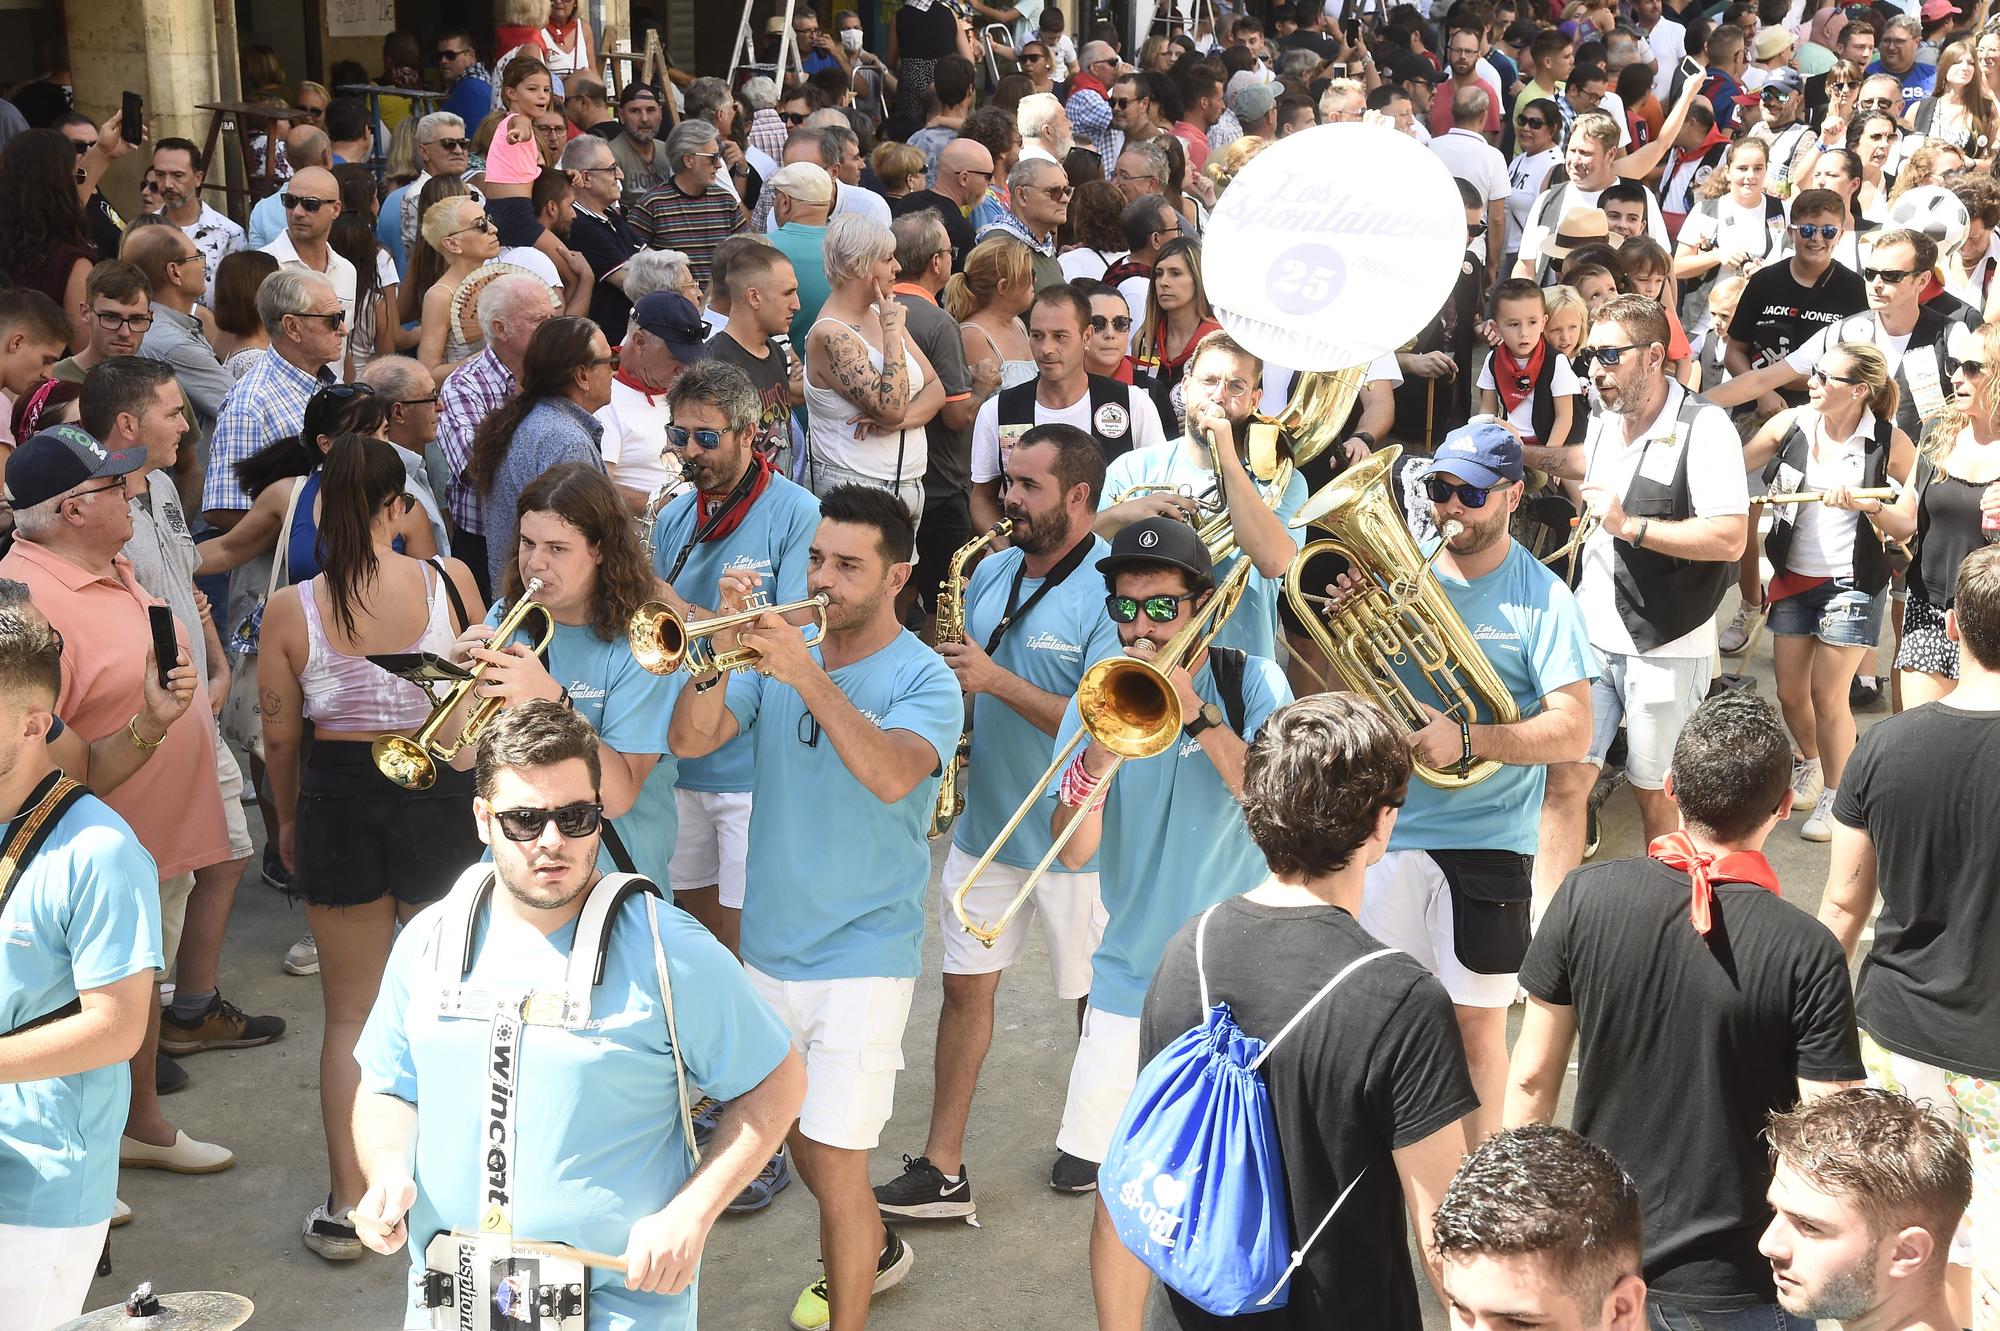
{"x":138,"y":742}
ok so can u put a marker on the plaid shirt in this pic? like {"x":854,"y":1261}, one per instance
{"x":267,"y":403}
{"x":1090,"y":116}
{"x":470,"y":393}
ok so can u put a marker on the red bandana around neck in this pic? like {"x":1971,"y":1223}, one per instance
{"x":706,"y":503}
{"x":1677,"y":850}
{"x":636,"y":386}
{"x":1515,"y":380}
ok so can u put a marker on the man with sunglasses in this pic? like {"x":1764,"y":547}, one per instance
{"x":1089,"y":104}
{"x":1454,"y":889}
{"x":691,"y":210}
{"x":1169,"y":840}
{"x":1537,"y":132}
{"x":846,"y":737}
{"x":597,"y":228}
{"x":583,"y":1135}
{"x":311,"y":200}
{"x":176,"y":164}
{"x":1785,"y":304}
{"x":468,"y":83}
{"x":1037,"y":203}
{"x":1784,"y":127}
{"x":303,"y":316}
{"x":443,"y":149}
{"x":411,"y":392}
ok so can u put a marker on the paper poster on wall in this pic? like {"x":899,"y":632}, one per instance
{"x":360,"y":18}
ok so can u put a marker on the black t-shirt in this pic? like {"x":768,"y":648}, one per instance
{"x":1685,"y":1046}
{"x":605,"y":245}
{"x":1311,"y":39}
{"x":770,"y":374}
{"x":1924,"y":786}
{"x":1777,"y":314}
{"x":955,"y":223}
{"x":926,"y":34}
{"x":1376,"y":1067}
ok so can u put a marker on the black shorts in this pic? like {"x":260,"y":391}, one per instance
{"x":361,"y":837}
{"x":947,"y":525}
{"x":514,"y":220}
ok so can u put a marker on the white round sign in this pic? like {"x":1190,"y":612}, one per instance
{"x":1333,"y":246}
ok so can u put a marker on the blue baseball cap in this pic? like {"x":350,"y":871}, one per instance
{"x":1484,"y":453}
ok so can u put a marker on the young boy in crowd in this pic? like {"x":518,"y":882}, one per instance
{"x":1525,"y":378}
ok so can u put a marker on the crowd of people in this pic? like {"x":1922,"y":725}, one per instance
{"x":895,"y":353}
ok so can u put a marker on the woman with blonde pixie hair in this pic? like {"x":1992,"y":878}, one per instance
{"x":1829,"y":562}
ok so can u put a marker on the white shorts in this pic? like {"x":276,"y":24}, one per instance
{"x":1071,"y":910}
{"x":1100,"y":1081}
{"x":174,"y":894}
{"x":850,"y":1033}
{"x":1654,"y":695}
{"x":1406,"y":904}
{"x":231,"y":776}
{"x":713,"y":843}
{"x":45,"y":1273}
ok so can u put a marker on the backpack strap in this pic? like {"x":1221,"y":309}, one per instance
{"x":1312,"y":1002}
{"x":1200,"y":968}
{"x":1227,"y":665}
{"x":673,"y":1032}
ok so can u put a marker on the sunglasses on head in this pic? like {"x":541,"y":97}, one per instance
{"x":1889,"y":275}
{"x":1162,"y":609}
{"x":1809,"y":230}
{"x":1610,"y":355}
{"x":1121,"y":323}
{"x":572,"y":820}
{"x":311,"y":205}
{"x":1472,"y":496}
{"x":679,"y":435}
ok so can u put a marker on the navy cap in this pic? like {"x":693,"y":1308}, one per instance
{"x":1153,"y":541}
{"x":61,"y":458}
{"x":672,"y":317}
{"x":1407,"y":65}
{"x":1485,"y":454}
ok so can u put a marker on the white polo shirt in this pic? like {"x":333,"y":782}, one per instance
{"x":337,"y":271}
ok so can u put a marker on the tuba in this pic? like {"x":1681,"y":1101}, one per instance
{"x":1399,"y":617}
{"x":951,"y":628}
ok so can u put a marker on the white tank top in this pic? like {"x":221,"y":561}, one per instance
{"x":874,"y":455}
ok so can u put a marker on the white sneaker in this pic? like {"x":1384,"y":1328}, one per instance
{"x":1819,"y":827}
{"x":1735,"y":634}
{"x":302,"y":958}
{"x":121,"y":1214}
{"x":1807,"y":783}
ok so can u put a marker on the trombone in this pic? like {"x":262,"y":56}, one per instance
{"x":411,"y":761}
{"x":663,"y":641}
{"x":1130,"y":707}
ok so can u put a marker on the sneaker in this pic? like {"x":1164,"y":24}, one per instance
{"x":1736,"y":633}
{"x":702,"y":1121}
{"x":1819,"y":827}
{"x":1864,"y":694}
{"x":332,"y":1239}
{"x":770,"y":1181}
{"x":121,"y":1214}
{"x":275,"y":873}
{"x":810,"y":1313}
{"x":301,"y":958}
{"x":168,"y":1076}
{"x":223,"y":1026}
{"x":1072,"y":1174}
{"x":921,"y":1192}
{"x":1807,"y":783}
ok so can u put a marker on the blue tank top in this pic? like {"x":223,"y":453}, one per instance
{"x":302,"y":551}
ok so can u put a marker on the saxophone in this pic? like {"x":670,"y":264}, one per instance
{"x":951,"y":628}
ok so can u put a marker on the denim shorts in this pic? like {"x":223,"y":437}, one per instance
{"x":1836,"y":612}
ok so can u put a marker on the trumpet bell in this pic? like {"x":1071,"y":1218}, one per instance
{"x":1129,"y":707}
{"x":658,"y":636}
{"x":404,"y":761}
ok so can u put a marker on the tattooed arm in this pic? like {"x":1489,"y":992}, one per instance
{"x":837,"y":359}
{"x":281,"y":706}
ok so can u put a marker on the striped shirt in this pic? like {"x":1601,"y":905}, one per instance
{"x":668,"y":219}
{"x":470,"y":393}
{"x":267,"y":403}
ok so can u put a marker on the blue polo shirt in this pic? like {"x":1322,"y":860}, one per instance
{"x":1050,"y":647}
{"x":1174,"y":843}
{"x":1254,"y":626}
{"x":598,"y":1128}
{"x":84,"y":914}
{"x":773,"y":539}
{"x":835,"y":881}
{"x":1527,"y":623}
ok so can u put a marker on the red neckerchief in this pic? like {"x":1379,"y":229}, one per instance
{"x":637,"y":387}
{"x":1515,"y":380}
{"x":706,"y":504}
{"x":1087,"y":83}
{"x":1677,"y":850}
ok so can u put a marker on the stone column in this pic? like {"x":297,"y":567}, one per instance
{"x":164,"y":50}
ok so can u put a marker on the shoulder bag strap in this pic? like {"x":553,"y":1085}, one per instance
{"x":280,"y":554}
{"x":673,"y":1032}
{"x":459,"y":619}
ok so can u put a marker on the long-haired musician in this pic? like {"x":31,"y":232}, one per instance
{"x":1172,"y":841}
{"x":1034,"y":622}
{"x":847,"y":740}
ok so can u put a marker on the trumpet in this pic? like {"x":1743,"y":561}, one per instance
{"x":1819,"y":496}
{"x":1129,"y":706}
{"x":663,"y":641}
{"x":411,"y":761}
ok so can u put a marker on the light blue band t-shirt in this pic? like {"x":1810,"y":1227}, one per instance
{"x":1174,"y":843}
{"x":84,"y":914}
{"x":774,"y":539}
{"x":1050,"y":647}
{"x":834,"y":887}
{"x":1254,"y":626}
{"x":598,"y":1127}
{"x":1527,"y":623}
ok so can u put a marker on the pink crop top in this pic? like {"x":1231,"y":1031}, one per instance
{"x":513,"y":163}
{"x":352,"y":693}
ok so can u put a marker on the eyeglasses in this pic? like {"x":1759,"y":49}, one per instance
{"x":335,"y":320}
{"x":1809,"y":230}
{"x":1532,"y":122}
{"x":1471,"y":496}
{"x":1160,"y":609}
{"x":311,"y":205}
{"x":1118,"y":323}
{"x":599,"y":362}
{"x":450,"y":145}
{"x":480,"y":223}
{"x":1821,"y":377}
{"x":116,"y":483}
{"x":198,"y":256}
{"x":414,"y":401}
{"x":678,"y":436}
{"x":571,"y":820}
{"x":1889,"y":275}
{"x":1610,"y":355}
{"x":553,"y":131}
{"x":808,"y":730}
{"x":1971,"y":369}
{"x":1217,"y":386}
{"x":111,"y":321}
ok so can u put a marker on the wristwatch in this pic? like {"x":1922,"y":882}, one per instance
{"x":1209,"y":715}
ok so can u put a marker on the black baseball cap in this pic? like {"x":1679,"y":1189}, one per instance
{"x":1150,"y":542}
{"x":638,"y":92}
{"x":60,"y":458}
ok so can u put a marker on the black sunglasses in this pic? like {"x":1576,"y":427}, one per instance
{"x":1532,"y":123}
{"x":793,"y":117}
{"x":808,"y":730}
{"x":1821,"y":376}
{"x":1472,"y":496}
{"x":81,"y":147}
{"x":443,"y":56}
{"x":1121,"y":323}
{"x":451,"y":145}
{"x":572,"y":820}
{"x":679,"y":435}
{"x":1162,"y":609}
{"x":1610,"y":355}
{"x":1971,"y":369}
{"x":311,"y":205}
{"x":1889,"y":275}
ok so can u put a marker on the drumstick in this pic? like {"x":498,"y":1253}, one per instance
{"x":1819,"y":496}
{"x":536,"y":1247}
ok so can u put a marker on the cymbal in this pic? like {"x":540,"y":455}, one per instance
{"x":202,"y":1310}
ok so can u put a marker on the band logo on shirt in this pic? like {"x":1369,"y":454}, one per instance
{"x":1049,"y":642}
{"x":500,"y":1065}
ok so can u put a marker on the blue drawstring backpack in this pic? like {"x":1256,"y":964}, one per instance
{"x":1193,"y":1179}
